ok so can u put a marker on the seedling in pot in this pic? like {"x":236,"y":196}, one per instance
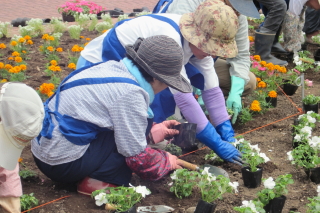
{"x":173,"y":149}
{"x":27,"y":201}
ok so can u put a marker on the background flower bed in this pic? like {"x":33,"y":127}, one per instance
{"x":275,"y":140}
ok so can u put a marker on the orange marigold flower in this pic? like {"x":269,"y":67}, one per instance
{"x":10,"y":58}
{"x":263,"y":63}
{"x":80,"y":49}
{"x":262,"y":84}
{"x":104,"y":31}
{"x":88,"y":39}
{"x":53,"y":62}
{"x":15,"y":53}
{"x":1,"y":65}
{"x":75,"y":48}
{"x":15,"y":69}
{"x":72,"y":66}
{"x":50,"y":48}
{"x":251,"y":39}
{"x":21,"y":40}
{"x":255,"y":106}
{"x":46,"y":88}
{"x":85,"y":44}
{"x":57,"y":69}
{"x":23,"y":51}
{"x":270,"y":66}
{"x":8,"y":66}
{"x":257,"y":57}
{"x":23,"y":67}
{"x":27,"y":37}
{"x":258,"y":79}
{"x":59,"y":49}
{"x":13,"y":43}
{"x":20,"y":160}
{"x":45,"y":37}
{"x":18,"y":59}
{"x":30,"y":42}
{"x":272,"y":94}
{"x":277,"y":67}
{"x":3,"y":46}
{"x":3,"y":80}
{"x":283,"y":69}
{"x":50,"y":94}
{"x":52,"y":67}
{"x":81,"y":36}
{"x":51,"y":38}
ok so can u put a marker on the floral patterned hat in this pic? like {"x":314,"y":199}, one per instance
{"x":212,"y":28}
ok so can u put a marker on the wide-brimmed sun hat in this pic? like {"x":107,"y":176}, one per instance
{"x":245,"y":7}
{"x":162,"y":58}
{"x":21,"y":113}
{"x":212,"y":28}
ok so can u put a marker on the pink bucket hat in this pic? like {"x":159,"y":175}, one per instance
{"x":212,"y":28}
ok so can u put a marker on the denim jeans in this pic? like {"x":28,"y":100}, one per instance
{"x":276,"y":13}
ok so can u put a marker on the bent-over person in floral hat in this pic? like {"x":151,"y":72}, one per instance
{"x":207,"y":32}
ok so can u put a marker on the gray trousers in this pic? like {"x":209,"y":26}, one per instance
{"x":222,"y":70}
{"x":277,"y":11}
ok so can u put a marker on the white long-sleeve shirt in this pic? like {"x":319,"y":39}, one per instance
{"x":144,"y":27}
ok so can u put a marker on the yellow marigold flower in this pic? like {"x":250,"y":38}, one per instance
{"x":20,"y":160}
{"x":72,"y":66}
{"x":23,"y":67}
{"x":258,"y":79}
{"x":59,"y":49}
{"x":85,"y":44}
{"x":46,"y":88}
{"x":53,"y":62}
{"x":21,"y":40}
{"x":18,"y":59}
{"x":15,"y":53}
{"x":80,"y":49}
{"x":10,"y":58}
{"x":45,"y":37}
{"x":255,"y":106}
{"x":3,"y":46}
{"x":51,"y":38}
{"x":277,"y":67}
{"x":13,"y":43}
{"x":270,"y":66}
{"x":3,"y":80}
{"x":81,"y":36}
{"x":75,"y":48}
{"x":283,"y":69}
{"x":15,"y":69}
{"x":1,"y":65}
{"x":257,"y":57}
{"x":23,"y":51}
{"x":251,"y":39}
{"x":50,"y":48}
{"x":263,"y":63}
{"x":88,"y":39}
{"x":262,"y":84}
{"x":52,"y":68}
{"x":8,"y":66}
{"x":30,"y":42}
{"x":272,"y":94}
{"x":27,"y":37}
{"x":57,"y":69}
{"x":50,"y":94}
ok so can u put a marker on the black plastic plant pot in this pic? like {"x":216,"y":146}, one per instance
{"x":186,"y":139}
{"x":275,"y":205}
{"x":205,"y":207}
{"x":251,"y":179}
{"x":313,"y":107}
{"x":272,"y":101}
{"x":290,"y":89}
{"x":68,"y":17}
{"x":133,"y":209}
{"x":314,"y":175}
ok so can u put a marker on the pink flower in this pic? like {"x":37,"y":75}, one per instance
{"x":296,"y":71}
{"x":251,"y":58}
{"x":255,"y":64}
{"x":251,"y":43}
{"x":308,"y":83}
{"x":262,"y":69}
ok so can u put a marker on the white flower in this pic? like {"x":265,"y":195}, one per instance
{"x":234,"y":185}
{"x":142,"y":190}
{"x":297,"y":137}
{"x":269,"y":183}
{"x":314,"y":142}
{"x":255,"y":147}
{"x":211,"y":177}
{"x":311,"y":119}
{"x":237,"y":142}
{"x":318,"y":190}
{"x":307,"y":130}
{"x":174,"y":175}
{"x":310,"y":112}
{"x":264,"y":156}
{"x":249,"y":204}
{"x":290,"y":155}
{"x":170,"y":184}
{"x":205,"y":171}
{"x":101,"y":199}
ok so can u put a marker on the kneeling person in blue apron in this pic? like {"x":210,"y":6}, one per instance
{"x":96,"y":123}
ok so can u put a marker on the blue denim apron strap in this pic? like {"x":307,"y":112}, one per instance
{"x":163,"y":105}
{"x":157,"y":8}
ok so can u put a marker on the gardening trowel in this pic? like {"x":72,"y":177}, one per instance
{"x":155,"y":208}
{"x":212,"y":169}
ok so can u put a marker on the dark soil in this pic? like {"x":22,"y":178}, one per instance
{"x":272,"y":131}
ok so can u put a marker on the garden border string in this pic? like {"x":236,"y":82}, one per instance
{"x":46,"y":203}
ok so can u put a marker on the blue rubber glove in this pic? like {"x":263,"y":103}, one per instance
{"x":226,"y":132}
{"x":234,"y":99}
{"x":223,"y":149}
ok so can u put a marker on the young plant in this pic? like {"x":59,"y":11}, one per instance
{"x":27,"y":30}
{"x":4,"y":29}
{"x":273,"y":189}
{"x":305,"y":156}
{"x":251,"y":154}
{"x":25,"y":174}
{"x":120,"y":198}
{"x":37,"y":25}
{"x":27,"y":201}
{"x":83,"y":20}
{"x":173,"y":149}
{"x":293,"y":77}
{"x":213,"y":157}
{"x":57,"y":26}
{"x":311,"y":99}
{"x":313,"y":205}
{"x":251,"y":206}
{"x":93,"y":22}
{"x":245,"y":115}
{"x":75,"y":31}
{"x":184,"y":182}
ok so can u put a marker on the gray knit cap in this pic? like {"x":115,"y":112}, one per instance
{"x":162,"y":58}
